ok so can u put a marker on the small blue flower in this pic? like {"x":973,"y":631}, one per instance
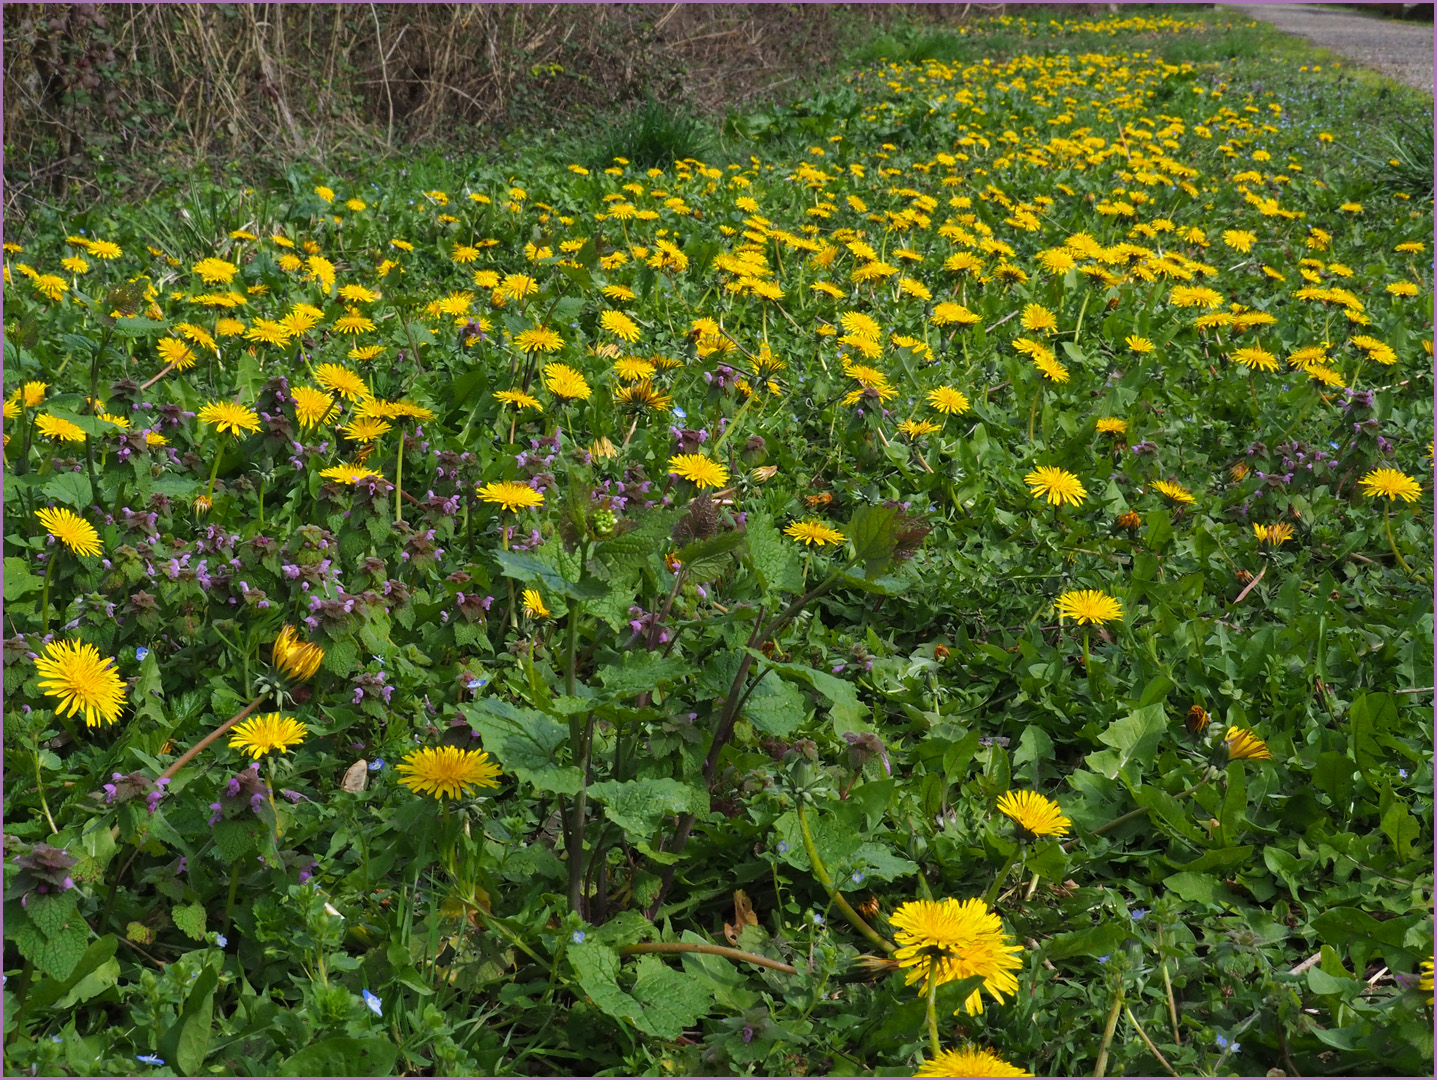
{"x":858,"y":877}
{"x":1222,"y":1044}
{"x":1402,"y":773}
{"x":782,"y":846}
{"x":475,"y":684}
{"x":150,"y":1059}
{"x":221,"y":940}
{"x":1139,"y":914}
{"x":376,"y":764}
{"x":1103,"y":959}
{"x":56,"y":1038}
{"x":680,"y":413}
{"x":375,"y":1005}
{"x":141,"y":653}
{"x":578,"y":937}
{"x":817,"y":919}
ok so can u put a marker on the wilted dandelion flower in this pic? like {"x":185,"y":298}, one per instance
{"x":70,"y":529}
{"x":1035,"y":814}
{"x":1057,"y":485}
{"x":228,"y":416}
{"x":511,"y":495}
{"x":447,"y":771}
{"x":698,"y":470}
{"x":1273,"y":535}
{"x":1176,"y":492}
{"x":299,"y":660}
{"x":1242,"y":743}
{"x":534,"y":604}
{"x":1197,"y":719}
{"x":75,"y":673}
{"x":971,"y":1061}
{"x":814,"y":532}
{"x":261,"y":735}
{"x":947,"y":940}
{"x":1089,"y":606}
{"x":1391,"y":483}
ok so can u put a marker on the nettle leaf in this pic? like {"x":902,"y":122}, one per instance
{"x":524,"y":743}
{"x":52,"y":912}
{"x":775,"y":708}
{"x":843,"y":701}
{"x":190,"y":918}
{"x":632,"y":550}
{"x":72,"y":489}
{"x":775,"y":562}
{"x":19,"y":582}
{"x":707,"y":559}
{"x":664,"y":1001}
{"x":873,"y":531}
{"x":638,"y":806}
{"x":641,"y":671}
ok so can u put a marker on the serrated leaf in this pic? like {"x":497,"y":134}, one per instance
{"x":873,"y":531}
{"x":19,"y":581}
{"x":1134,"y":738}
{"x":137,"y":325}
{"x":72,"y":489}
{"x":843,"y":702}
{"x":191,"y":919}
{"x":52,"y":912}
{"x":641,"y":671}
{"x":98,"y":955}
{"x":234,"y":840}
{"x":707,"y":559}
{"x":638,"y":806}
{"x":775,"y":708}
{"x":671,"y":1000}
{"x":57,"y":955}
{"x":524,"y":743}
{"x":776,"y":563}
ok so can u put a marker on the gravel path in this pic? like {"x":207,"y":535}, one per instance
{"x":1401,"y":51}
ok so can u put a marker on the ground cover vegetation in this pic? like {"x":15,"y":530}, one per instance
{"x":945,"y":589}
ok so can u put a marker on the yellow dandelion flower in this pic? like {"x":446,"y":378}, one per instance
{"x":70,"y":529}
{"x":949,"y":401}
{"x":57,"y":427}
{"x":698,"y":470}
{"x":366,"y":429}
{"x":447,"y":771}
{"x":534,"y":605}
{"x":518,"y":399}
{"x":1035,"y":814}
{"x":511,"y":495}
{"x":814,"y":532}
{"x":972,"y":1061}
{"x":313,"y":407}
{"x":228,"y":416}
{"x":1273,"y":535}
{"x":340,"y":380}
{"x":1242,"y":743}
{"x":1392,"y":484}
{"x":264,"y":734}
{"x":82,"y":681}
{"x":946,"y":940}
{"x":1089,"y":606}
{"x":1176,"y":492}
{"x":1058,"y":485}
{"x":620,"y":325}
{"x":538,"y":339}
{"x":564,"y":382}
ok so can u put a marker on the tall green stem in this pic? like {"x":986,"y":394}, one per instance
{"x":991,"y":896}
{"x":1102,"y":1066}
{"x":933,"y":1042}
{"x":399,"y":482}
{"x":45,"y":592}
{"x":824,"y":879}
{"x":1392,"y":540}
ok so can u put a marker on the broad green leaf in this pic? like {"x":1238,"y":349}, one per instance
{"x":46,"y":992}
{"x":873,"y":533}
{"x":641,"y":671}
{"x":524,"y":743}
{"x":1200,"y":887}
{"x":775,"y":562}
{"x":190,"y":918}
{"x":638,"y":806}
{"x":1134,"y":738}
{"x":72,"y":489}
{"x":343,"y":1056}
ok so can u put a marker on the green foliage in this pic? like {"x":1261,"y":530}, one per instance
{"x":697,"y":725}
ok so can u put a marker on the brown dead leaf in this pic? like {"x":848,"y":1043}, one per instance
{"x":356,"y":777}
{"x":743,"y":914}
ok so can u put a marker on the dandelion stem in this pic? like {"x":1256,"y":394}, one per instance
{"x":992,"y":893}
{"x":824,"y":879}
{"x":1168,"y":986}
{"x":1147,"y":1041}
{"x":40,"y":785}
{"x":1387,"y":521}
{"x":189,"y":755}
{"x":45,"y":592}
{"x":933,"y":1011}
{"x":399,"y":482}
{"x":1102,"y":1067}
